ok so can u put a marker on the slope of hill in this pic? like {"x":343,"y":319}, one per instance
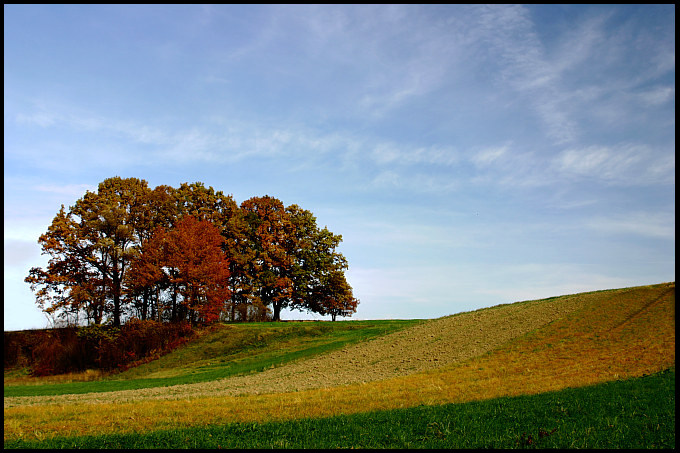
{"x":429,"y":345}
{"x":522,"y":348}
{"x":220,"y":351}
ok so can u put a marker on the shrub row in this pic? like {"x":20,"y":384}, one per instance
{"x":73,"y":349}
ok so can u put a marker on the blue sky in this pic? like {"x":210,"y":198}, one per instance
{"x":468,"y":155}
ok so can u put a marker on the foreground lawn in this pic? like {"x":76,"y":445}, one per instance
{"x":634,"y":413}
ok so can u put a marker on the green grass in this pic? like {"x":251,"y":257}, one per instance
{"x":230,"y":350}
{"x":635,"y":413}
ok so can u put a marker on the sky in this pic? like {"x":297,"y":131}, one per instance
{"x":469,"y":155}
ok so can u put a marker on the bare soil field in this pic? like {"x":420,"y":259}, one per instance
{"x":433,"y":344}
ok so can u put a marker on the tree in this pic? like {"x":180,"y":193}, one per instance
{"x":335,"y":296}
{"x":318,"y":269}
{"x":107,"y":223}
{"x":189,"y":261}
{"x":188,"y":253}
{"x":270,"y":269}
{"x":206,"y":204}
{"x":199,"y":267}
{"x":220,"y":209}
{"x":238,"y":247}
{"x":160,"y":210}
{"x":69,"y":284}
{"x":146,"y":276}
{"x":91,"y":246}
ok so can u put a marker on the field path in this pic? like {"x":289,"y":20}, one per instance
{"x":433,"y":344}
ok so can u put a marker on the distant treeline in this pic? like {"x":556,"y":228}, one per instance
{"x":186,"y":254}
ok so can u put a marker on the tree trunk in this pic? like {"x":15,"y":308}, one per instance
{"x":116,"y":310}
{"x":116,"y":301}
{"x":116,"y":280}
{"x":145,"y":303}
{"x":174,"y":315}
{"x":277,"y":311}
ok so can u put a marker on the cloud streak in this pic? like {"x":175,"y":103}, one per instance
{"x":624,"y":164}
{"x":646,"y":224}
{"x":222,"y":141}
{"x":510,"y":37}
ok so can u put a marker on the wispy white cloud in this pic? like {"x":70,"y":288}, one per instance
{"x":430,"y":168}
{"x":510,"y":35}
{"x":78,"y":119}
{"x":163,"y":144}
{"x":532,"y":281}
{"x":43,"y":119}
{"x":523,"y":66}
{"x":606,"y":82}
{"x":657,"y":96}
{"x":386,"y":152}
{"x":19,"y":253}
{"x":584,"y":42}
{"x":392,"y":54}
{"x":488,"y":156}
{"x":587,"y":76}
{"x":657,"y":225}
{"x":624,"y":164}
{"x":69,"y":190}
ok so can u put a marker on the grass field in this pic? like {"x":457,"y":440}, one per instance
{"x":636,"y":413}
{"x":614,"y":342}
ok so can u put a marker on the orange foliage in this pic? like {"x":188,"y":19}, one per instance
{"x":190,"y":258}
{"x":128,"y":250}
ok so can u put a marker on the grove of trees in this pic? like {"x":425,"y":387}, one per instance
{"x":186,"y":254}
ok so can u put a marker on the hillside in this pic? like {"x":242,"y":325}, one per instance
{"x":215,"y":352}
{"x":522,"y":348}
{"x":426,"y":346}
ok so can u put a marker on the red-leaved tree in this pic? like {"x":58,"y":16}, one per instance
{"x":189,"y":263}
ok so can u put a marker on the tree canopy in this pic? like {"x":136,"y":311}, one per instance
{"x":186,"y":254}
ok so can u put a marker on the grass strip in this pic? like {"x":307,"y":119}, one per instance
{"x":634,"y":413}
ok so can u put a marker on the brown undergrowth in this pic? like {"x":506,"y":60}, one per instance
{"x":75,"y":350}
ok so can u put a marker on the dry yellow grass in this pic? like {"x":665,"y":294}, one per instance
{"x":82,"y":376}
{"x":616,"y":334}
